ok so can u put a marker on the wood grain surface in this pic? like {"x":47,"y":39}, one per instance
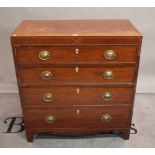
{"x":68,"y":75}
{"x":74,"y":96}
{"x":68,"y":55}
{"x":87,"y":117}
{"x":77,"y":82}
{"x":76,"y":28}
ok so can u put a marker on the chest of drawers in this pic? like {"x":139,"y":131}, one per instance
{"x":76,"y":77}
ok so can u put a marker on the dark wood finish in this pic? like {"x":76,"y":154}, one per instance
{"x":67,"y":55}
{"x":63,"y":75}
{"x":70,"y":97}
{"x":77,"y":114}
{"x":73,"y":32}
{"x":73,"y":27}
{"x":61,"y":41}
{"x":87,"y":117}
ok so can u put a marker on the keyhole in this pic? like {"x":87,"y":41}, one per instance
{"x":78,"y":90}
{"x":76,"y":51}
{"x":78,"y":111}
{"x":76,"y":69}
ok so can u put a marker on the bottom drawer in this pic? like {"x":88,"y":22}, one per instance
{"x":97,"y":117}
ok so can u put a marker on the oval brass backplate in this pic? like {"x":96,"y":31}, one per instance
{"x":107,"y":96}
{"x":106,"y":117}
{"x":46,"y":75}
{"x":48,"y":97}
{"x":109,"y":54}
{"x":108,"y":75}
{"x":50,"y":119}
{"x":44,"y":55}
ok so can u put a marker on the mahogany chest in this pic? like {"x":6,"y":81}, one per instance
{"x":76,"y":77}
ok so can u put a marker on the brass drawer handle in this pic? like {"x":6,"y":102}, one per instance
{"x":107,"y":96}
{"x":48,"y":97}
{"x":50,"y":119}
{"x":108,"y":75}
{"x":46,"y":75}
{"x":44,"y":55}
{"x":106,"y":117}
{"x":109,"y":54}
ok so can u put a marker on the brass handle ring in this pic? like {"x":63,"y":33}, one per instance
{"x":109,"y":54}
{"x":106,"y":117}
{"x":46,"y":75}
{"x":50,"y":119}
{"x":44,"y":55}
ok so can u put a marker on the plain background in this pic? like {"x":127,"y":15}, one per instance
{"x":142,"y":18}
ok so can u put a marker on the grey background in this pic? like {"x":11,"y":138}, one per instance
{"x":142,"y":18}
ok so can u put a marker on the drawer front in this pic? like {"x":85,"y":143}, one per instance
{"x":69,"y":96}
{"x":58,"y":55}
{"x":77,"y":75}
{"x":106,"y":117}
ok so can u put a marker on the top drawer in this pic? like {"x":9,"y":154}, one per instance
{"x":74,"y":55}
{"x":75,"y":32}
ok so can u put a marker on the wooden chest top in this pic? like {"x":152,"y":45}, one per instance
{"x":75,"y":32}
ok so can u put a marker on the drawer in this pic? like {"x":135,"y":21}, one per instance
{"x":77,"y":75}
{"x":70,"y":96}
{"x":67,"y":55}
{"x":98,"y":117}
